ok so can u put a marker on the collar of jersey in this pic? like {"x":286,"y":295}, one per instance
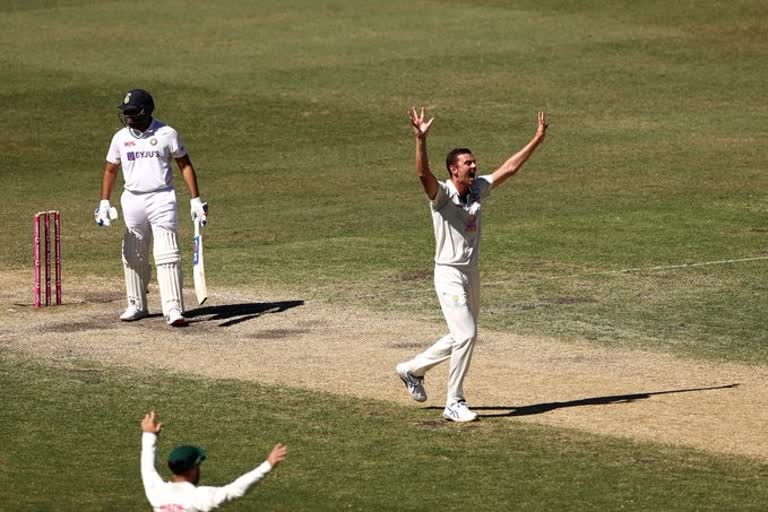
{"x":182,"y":484}
{"x":454,"y":193}
{"x":150,"y":131}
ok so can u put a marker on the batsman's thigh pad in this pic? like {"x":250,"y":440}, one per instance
{"x":168,"y":263}
{"x":161,"y":210}
{"x":134,"y":211}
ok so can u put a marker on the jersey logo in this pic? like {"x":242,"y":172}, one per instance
{"x":473,"y":213}
{"x":134,"y":155}
{"x":153,"y":142}
{"x":471,"y":223}
{"x":129,"y":143}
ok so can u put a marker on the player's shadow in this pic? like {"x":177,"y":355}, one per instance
{"x":529,"y":410}
{"x":235,"y":313}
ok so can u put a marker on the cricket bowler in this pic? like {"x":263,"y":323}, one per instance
{"x":456,"y":207}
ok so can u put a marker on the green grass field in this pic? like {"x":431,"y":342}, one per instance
{"x":344,"y":454}
{"x":295,"y":116}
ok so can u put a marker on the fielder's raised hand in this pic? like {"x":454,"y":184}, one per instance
{"x":150,"y":423}
{"x":277,"y":455}
{"x":420,"y":126}
{"x":541,"y":130}
{"x":198,"y":210}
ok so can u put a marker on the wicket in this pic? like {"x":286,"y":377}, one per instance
{"x":46,"y":217}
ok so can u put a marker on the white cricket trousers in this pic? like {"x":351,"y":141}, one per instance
{"x":150,"y":210}
{"x":459,"y":293}
{"x":152,"y":216}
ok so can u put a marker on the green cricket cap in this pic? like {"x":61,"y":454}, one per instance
{"x":184,"y":457}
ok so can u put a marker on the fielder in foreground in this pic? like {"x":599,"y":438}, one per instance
{"x":456,"y":209}
{"x":182,"y":494}
{"x":144,"y":149}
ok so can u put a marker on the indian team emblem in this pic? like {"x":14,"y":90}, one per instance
{"x":153,"y":142}
{"x":127,"y":98}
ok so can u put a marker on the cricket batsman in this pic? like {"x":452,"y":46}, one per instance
{"x":456,"y":207}
{"x":144,"y":149}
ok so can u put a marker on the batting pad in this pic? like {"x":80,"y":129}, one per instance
{"x":168,"y":263}
{"x":136,"y":269}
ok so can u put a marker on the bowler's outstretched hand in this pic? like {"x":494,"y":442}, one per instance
{"x":151,"y":424}
{"x":277,"y":455}
{"x":420,"y":126}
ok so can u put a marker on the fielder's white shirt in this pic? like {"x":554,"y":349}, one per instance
{"x":184,"y":496}
{"x":146,"y":160}
{"x":457,"y":225}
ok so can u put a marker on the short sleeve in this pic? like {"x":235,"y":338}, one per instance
{"x":485,"y":185}
{"x":441,"y":198}
{"x":113,"y":153}
{"x":178,"y":149}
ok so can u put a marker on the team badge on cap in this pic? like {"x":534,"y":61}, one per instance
{"x":127,"y":98}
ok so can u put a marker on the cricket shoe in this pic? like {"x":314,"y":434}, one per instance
{"x":174,"y":318}
{"x":414,"y":384}
{"x":458,"y":411}
{"x":132,"y":313}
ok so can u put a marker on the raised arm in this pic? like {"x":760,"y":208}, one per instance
{"x":420,"y":129}
{"x":150,"y":428}
{"x":209,"y":498}
{"x":516,"y":161}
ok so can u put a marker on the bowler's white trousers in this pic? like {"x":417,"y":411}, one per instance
{"x":458,"y":290}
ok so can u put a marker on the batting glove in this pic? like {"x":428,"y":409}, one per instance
{"x":105,"y":213}
{"x":199,"y":210}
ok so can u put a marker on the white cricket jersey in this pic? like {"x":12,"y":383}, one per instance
{"x":184,"y":496}
{"x":457,"y":225}
{"x":146,"y":160}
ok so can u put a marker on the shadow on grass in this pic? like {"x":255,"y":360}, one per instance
{"x":528,"y":410}
{"x":236,"y":313}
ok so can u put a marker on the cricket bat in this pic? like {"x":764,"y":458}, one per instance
{"x":198,"y":268}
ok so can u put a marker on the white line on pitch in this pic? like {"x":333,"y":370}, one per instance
{"x":662,"y":267}
{"x":639,"y":269}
